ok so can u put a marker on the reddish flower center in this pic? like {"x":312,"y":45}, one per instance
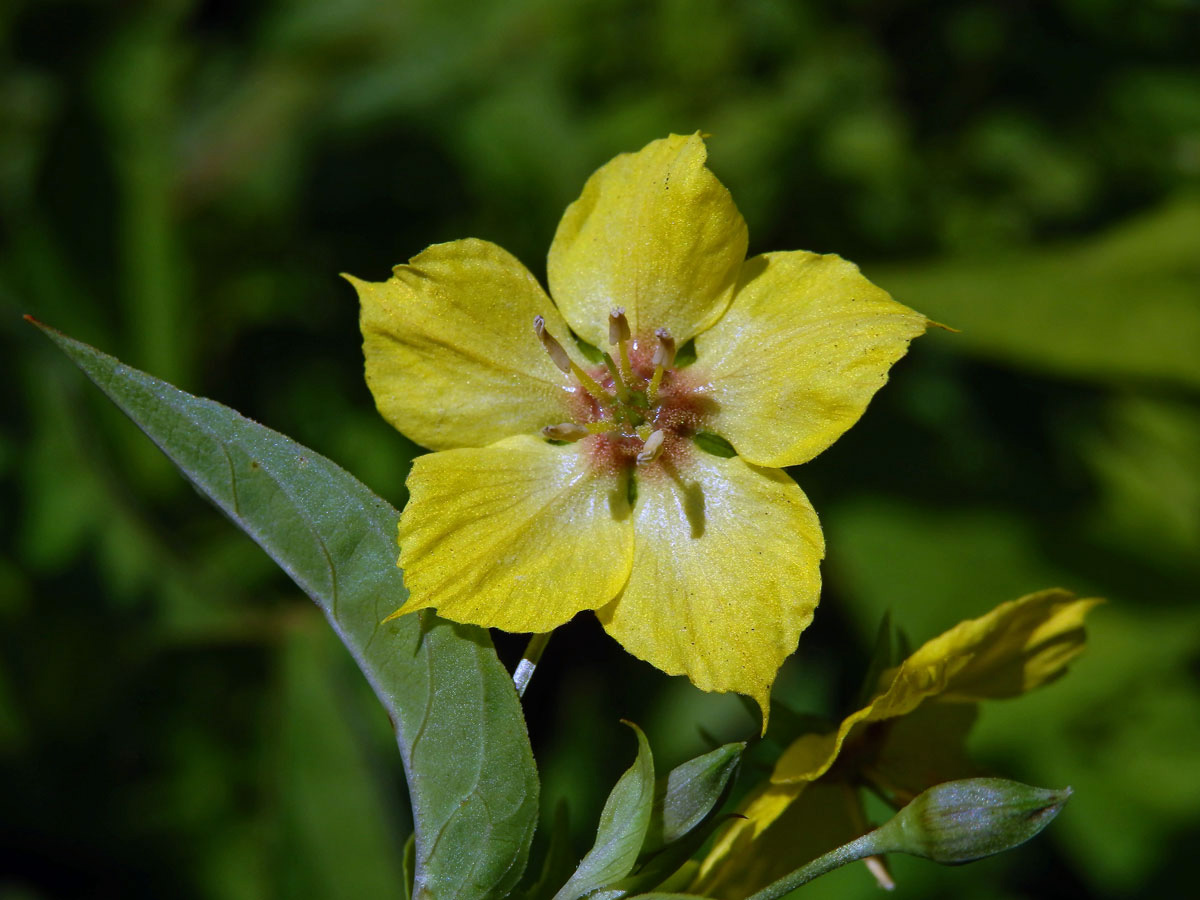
{"x":638,"y":408}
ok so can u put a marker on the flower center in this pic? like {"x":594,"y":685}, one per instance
{"x":635,"y":404}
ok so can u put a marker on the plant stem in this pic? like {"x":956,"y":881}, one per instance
{"x":857,"y":849}
{"x":529,"y":660}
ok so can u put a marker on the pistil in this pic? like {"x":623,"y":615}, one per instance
{"x":634,"y":425}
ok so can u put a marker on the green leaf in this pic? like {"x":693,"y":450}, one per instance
{"x":409,"y":864}
{"x":457,"y":719}
{"x":681,"y":819}
{"x":688,"y":793}
{"x":559,"y":859}
{"x":1123,"y":304}
{"x":883,"y":657}
{"x":622,"y":830}
{"x":338,"y":837}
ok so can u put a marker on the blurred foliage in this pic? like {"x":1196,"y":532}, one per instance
{"x":180,"y":182}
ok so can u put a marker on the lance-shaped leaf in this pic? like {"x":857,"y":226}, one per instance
{"x":458,"y":722}
{"x":622,"y":830}
{"x":688,"y":793}
{"x":680,"y":820}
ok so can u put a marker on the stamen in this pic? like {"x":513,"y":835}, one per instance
{"x":619,"y":334}
{"x":566,"y":365}
{"x":553,"y":347}
{"x":618,"y":326}
{"x":567,"y":431}
{"x":651,"y":449}
{"x":664,"y":353}
{"x":664,"y":358}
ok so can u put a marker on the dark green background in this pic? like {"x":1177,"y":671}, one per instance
{"x":180,"y":183}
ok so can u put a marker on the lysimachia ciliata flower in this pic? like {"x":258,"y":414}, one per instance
{"x":560,"y":484}
{"x":909,"y":736}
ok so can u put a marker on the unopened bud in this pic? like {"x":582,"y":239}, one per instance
{"x":651,"y":448}
{"x":567,"y":431}
{"x":618,"y":326}
{"x":664,"y":353}
{"x":553,"y":347}
{"x":960,"y":821}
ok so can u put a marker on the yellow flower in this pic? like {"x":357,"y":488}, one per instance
{"x":701,"y":563}
{"x":909,"y":737}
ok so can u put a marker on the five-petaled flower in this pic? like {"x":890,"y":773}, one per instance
{"x":562,"y":484}
{"x":909,"y":736}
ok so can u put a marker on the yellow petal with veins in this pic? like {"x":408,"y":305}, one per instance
{"x":797,"y":357}
{"x":929,"y":698}
{"x":924,"y":748}
{"x":520,"y":535}
{"x":1016,"y":647}
{"x":452,"y":358}
{"x":655,"y":232}
{"x":726,"y":573}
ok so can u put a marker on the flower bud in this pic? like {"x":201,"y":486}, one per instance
{"x":960,"y":821}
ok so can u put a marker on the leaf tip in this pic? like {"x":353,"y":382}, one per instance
{"x":929,"y":323}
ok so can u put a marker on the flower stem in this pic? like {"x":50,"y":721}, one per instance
{"x":875,"y":864}
{"x":529,"y":660}
{"x":861,"y":848}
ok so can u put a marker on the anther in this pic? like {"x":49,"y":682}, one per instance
{"x":553,"y":347}
{"x":567,"y":431}
{"x":618,"y":326}
{"x":664,"y":353}
{"x":664,"y":358}
{"x":619,"y":334}
{"x":651,"y":449}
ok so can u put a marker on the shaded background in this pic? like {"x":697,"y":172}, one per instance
{"x":180,"y":184}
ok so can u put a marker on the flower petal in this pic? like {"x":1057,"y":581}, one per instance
{"x":493,"y":536}
{"x":452,"y":358}
{"x":802,"y":349}
{"x":655,"y":232}
{"x":785,"y":826}
{"x":1016,"y":647}
{"x":725,"y":575}
{"x":926,"y":747}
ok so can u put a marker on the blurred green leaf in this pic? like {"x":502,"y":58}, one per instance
{"x":931,"y":569}
{"x":883,"y":656}
{"x":559,"y":859}
{"x":339,"y":840}
{"x":457,"y":719}
{"x":1123,"y":730}
{"x":1144,"y":455}
{"x":1123,"y":304}
{"x":410,"y":864}
{"x":622,"y":829}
